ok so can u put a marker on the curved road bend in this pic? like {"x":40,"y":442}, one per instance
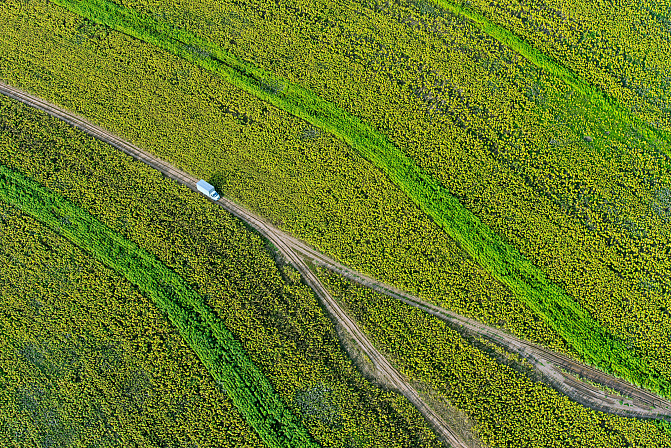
{"x":384,"y":368}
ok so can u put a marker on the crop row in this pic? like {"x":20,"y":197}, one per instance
{"x":85,"y":357}
{"x":505,"y":263}
{"x":276,"y":319}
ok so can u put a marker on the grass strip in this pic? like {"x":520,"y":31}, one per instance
{"x":220,"y":352}
{"x":601,"y":100}
{"x":502,"y":260}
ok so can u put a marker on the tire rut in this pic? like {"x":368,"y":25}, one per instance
{"x":629,"y":401}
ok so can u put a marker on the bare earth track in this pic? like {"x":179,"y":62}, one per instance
{"x":391,"y":376}
{"x":633,"y":401}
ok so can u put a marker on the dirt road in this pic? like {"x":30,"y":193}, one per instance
{"x":383,"y":368}
{"x":631,"y":401}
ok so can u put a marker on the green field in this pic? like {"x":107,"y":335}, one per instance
{"x":85,"y":357}
{"x":302,"y":179}
{"x":507,"y":161}
{"x":508,"y":405}
{"x":525,"y":280}
{"x":212,"y":262}
{"x":218,"y":350}
{"x":608,"y":46}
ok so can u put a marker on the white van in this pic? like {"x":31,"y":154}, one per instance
{"x":208,"y":190}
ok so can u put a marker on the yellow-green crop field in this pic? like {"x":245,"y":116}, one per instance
{"x":510,"y":408}
{"x":580,"y":190}
{"x":505,"y":160}
{"x":85,"y":357}
{"x":278,"y":323}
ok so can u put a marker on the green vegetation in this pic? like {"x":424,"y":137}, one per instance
{"x":276,"y":319}
{"x":85,"y":357}
{"x":606,"y":104}
{"x":580,"y":193}
{"x":502,"y":260}
{"x":621,"y":49}
{"x":222,"y":355}
{"x":508,"y":408}
{"x":304,"y":180}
